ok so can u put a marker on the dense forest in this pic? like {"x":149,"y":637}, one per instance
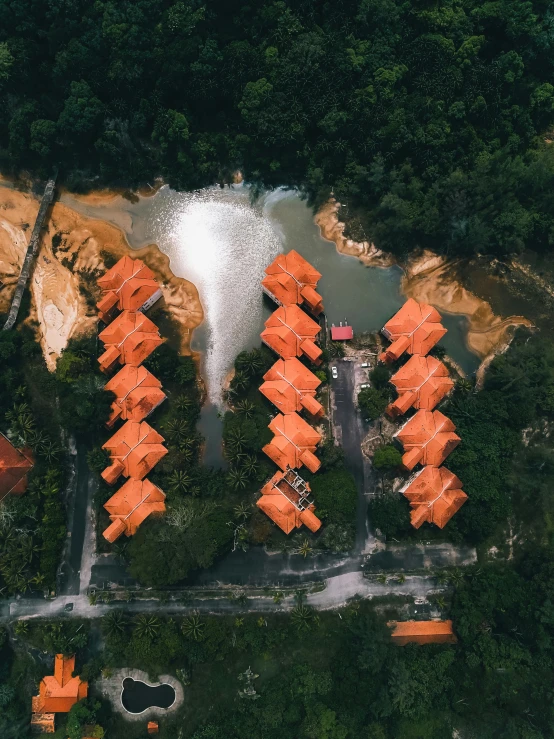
{"x":429,"y":118}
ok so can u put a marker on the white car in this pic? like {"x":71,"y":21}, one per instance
{"x":365,"y":364}
{"x":363,"y":387}
{"x":334,"y":372}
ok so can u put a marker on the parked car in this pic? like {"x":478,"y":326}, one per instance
{"x":363,"y":387}
{"x":365,"y":364}
{"x":334,"y":372}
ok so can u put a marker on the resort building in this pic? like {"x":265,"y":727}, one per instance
{"x":291,"y":280}
{"x":57,"y":694}
{"x":435,"y":495}
{"x":128,"y":285}
{"x":137,"y":393}
{"x":422,"y":632}
{"x":286,"y":500}
{"x":135,"y":449}
{"x":342,"y":333}
{"x":129,"y":339}
{"x":428,"y":438}
{"x":291,"y":333}
{"x":293,"y":444}
{"x":415,"y":329}
{"x":14,"y":466}
{"x":422,"y":383}
{"x":130,"y":506}
{"x":291,"y":387}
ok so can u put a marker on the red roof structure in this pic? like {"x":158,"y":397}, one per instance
{"x":137,"y":393}
{"x":135,"y":449}
{"x":291,"y":333}
{"x":130,"y":506}
{"x":128,"y":285}
{"x":293,"y":444}
{"x":422,"y":632}
{"x":342,"y":333}
{"x":435,"y":495}
{"x":428,"y":438}
{"x":285,"y":499}
{"x":415,"y":329}
{"x":14,"y":466}
{"x":153,"y":727}
{"x":422,"y":382}
{"x":291,"y":280}
{"x":60,"y":692}
{"x":290,"y":386}
{"x":129,"y":339}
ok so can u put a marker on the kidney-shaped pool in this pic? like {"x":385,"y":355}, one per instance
{"x":137,"y":696}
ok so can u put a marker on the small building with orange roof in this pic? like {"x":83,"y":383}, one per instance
{"x":290,"y":386}
{"x":291,"y":333}
{"x":435,"y":495}
{"x":153,"y":727}
{"x":286,"y":500}
{"x":291,"y":280}
{"x":57,"y":694}
{"x":128,"y":285}
{"x":415,"y":329}
{"x":422,"y":383}
{"x":428,"y":438}
{"x":137,"y":393}
{"x":293,"y":444}
{"x":422,"y":632}
{"x":129,"y":339}
{"x":15,"y":464}
{"x":131,"y":505}
{"x":135,"y":449}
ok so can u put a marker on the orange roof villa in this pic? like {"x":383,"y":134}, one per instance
{"x":422,"y":632}
{"x":422,"y":383}
{"x":293,"y":444}
{"x":128,"y":285}
{"x":291,"y":280}
{"x":137,"y":393}
{"x":57,"y":694}
{"x":14,"y":466}
{"x":129,"y":339}
{"x":291,"y":333}
{"x":285,"y":499}
{"x":415,"y":329}
{"x":135,"y":449}
{"x":428,"y":438}
{"x":290,"y":386}
{"x":435,"y":495}
{"x":130,"y":506}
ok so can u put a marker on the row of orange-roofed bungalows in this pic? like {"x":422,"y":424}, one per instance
{"x":428,"y":437}
{"x":129,"y":288}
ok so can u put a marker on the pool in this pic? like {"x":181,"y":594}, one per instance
{"x":138,"y":696}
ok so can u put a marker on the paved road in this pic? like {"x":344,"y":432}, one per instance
{"x":78,"y":503}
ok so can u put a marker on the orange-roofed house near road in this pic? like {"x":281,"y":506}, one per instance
{"x":137,"y":393}
{"x":14,"y":466}
{"x":293,"y":444}
{"x":129,"y":339}
{"x":135,"y":449}
{"x":422,"y":383}
{"x":415,"y":329}
{"x":291,"y":333}
{"x":128,"y":285}
{"x":285,"y":499}
{"x":291,"y":280}
{"x":130,"y":506}
{"x":428,"y":438}
{"x":290,"y":386}
{"x":57,"y":693}
{"x":422,"y":632}
{"x":435,"y":495}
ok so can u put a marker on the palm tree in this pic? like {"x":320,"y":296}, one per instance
{"x":278,"y":596}
{"x":186,"y":454}
{"x":245,"y":408}
{"x":237,"y":478}
{"x":236,"y":439}
{"x":250,"y":465}
{"x":302,"y":617}
{"x":147,"y":626}
{"x":304,"y":548}
{"x":250,"y":362}
{"x":177,"y":430}
{"x":240,"y":381}
{"x":50,"y":451}
{"x":456,"y":577}
{"x":193,"y":627}
{"x":401,"y":578}
{"x":114,"y":623}
{"x":179,"y":482}
{"x":183,"y":403}
{"x":382,"y":578}
{"x":242,"y":511}
{"x":443,"y":577}
{"x":440,"y":601}
{"x":464,"y":385}
{"x":22,"y":424}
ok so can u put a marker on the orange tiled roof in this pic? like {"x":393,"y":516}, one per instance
{"x":428,"y":438}
{"x":135,"y":449}
{"x":290,"y":333}
{"x":285,"y":499}
{"x":291,"y":386}
{"x":14,"y":466}
{"x":130,"y":506}
{"x":128,"y":285}
{"x":153,"y":727}
{"x":415,"y":329}
{"x":129,"y":339}
{"x":294,"y":443}
{"x":422,"y":632}
{"x":58,"y":693}
{"x":422,"y":382}
{"x":137,"y":393}
{"x":291,"y":280}
{"x":435,"y":495}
